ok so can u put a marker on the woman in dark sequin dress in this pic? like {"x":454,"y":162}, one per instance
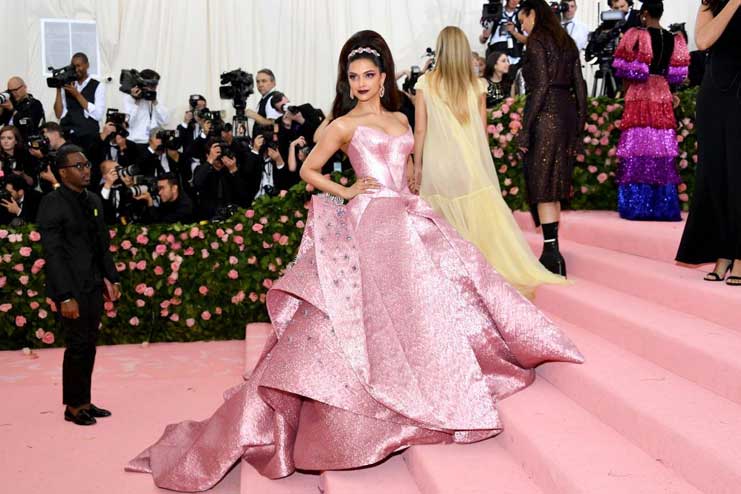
{"x":713,"y":230}
{"x":498,"y":83}
{"x":554,"y":119}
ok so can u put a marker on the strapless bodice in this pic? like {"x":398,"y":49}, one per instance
{"x":374,"y":153}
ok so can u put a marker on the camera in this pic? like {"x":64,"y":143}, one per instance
{"x":127,"y":171}
{"x":491,"y":13}
{"x":237,"y":85}
{"x":4,"y":194}
{"x":61,"y":77}
{"x":559,"y":8}
{"x":4,"y":97}
{"x":193,"y":100}
{"x":604,"y":41}
{"x":170,"y":139}
{"x":226,"y":150}
{"x":225,"y":212}
{"x":120,"y":120}
{"x":132,"y":78}
{"x":270,"y":141}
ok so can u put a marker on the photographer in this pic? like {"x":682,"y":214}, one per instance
{"x":264,"y":114}
{"x":506,"y":35}
{"x":578,"y":31}
{"x":218,"y":183}
{"x":82,"y":107}
{"x":45,"y":155}
{"x":19,"y":203}
{"x":274,"y":175}
{"x":120,"y":202}
{"x":161,"y":155}
{"x":295,"y":122}
{"x":14,"y":159}
{"x":114,"y":145}
{"x":190,"y":128}
{"x":632,"y":16}
{"x":145,"y":111}
{"x":17,"y":104}
{"x":297,"y":153}
{"x":172,"y":205}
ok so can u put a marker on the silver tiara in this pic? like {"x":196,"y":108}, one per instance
{"x":364,"y":49}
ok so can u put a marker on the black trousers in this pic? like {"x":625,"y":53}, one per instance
{"x":81,"y":336}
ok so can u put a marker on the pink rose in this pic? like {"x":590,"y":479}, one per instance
{"x":5,"y":307}
{"x":283,"y":219}
{"x":263,"y":297}
{"x":498,"y":153}
{"x":23,"y":280}
{"x":283,"y":193}
{"x":203,"y":290}
{"x":3,"y":281}
{"x":604,"y":141}
{"x":190,"y":322}
{"x":233,"y":274}
{"x":496,"y":114}
{"x":283,"y":240}
{"x":514,"y":190}
{"x":48,"y":338}
{"x":34,"y":305}
{"x":238,"y":239}
{"x":233,"y":260}
{"x":602,"y":178}
{"x":505,"y":109}
{"x":140,"y":288}
{"x":682,"y":187}
{"x":684,"y":197}
{"x":20,"y":321}
{"x":266,"y":245}
{"x":309,"y":188}
{"x":120,"y":267}
{"x":174,"y":317}
{"x":217,"y":311}
{"x":299,"y":224}
{"x":204,"y":253}
{"x":142,"y":239}
{"x":271,"y":267}
{"x":159,"y":270}
{"x":40,"y":333}
{"x":175,"y":266}
{"x":149,"y":292}
{"x":264,"y":220}
{"x":161,"y":249}
{"x":580,"y":158}
{"x":189,"y":251}
{"x":253,"y":296}
{"x":141,"y":265}
{"x":515,"y":116}
{"x":592,"y":169}
{"x":111,"y":314}
{"x":514,"y":126}
{"x":251,"y":260}
{"x":3,"y":234}
{"x":267,"y":283}
{"x":34,"y":236}
{"x":134,"y":321}
{"x":257,"y":227}
{"x":178,"y":292}
{"x":584,"y":189}
{"x":214,"y":245}
{"x":108,"y":306}
{"x":683,"y":164}
{"x":276,"y":236}
{"x":165,"y":304}
{"x":140,"y":303}
{"x":206,"y":315}
{"x":126,"y":245}
{"x":43,"y":314}
{"x":25,"y":251}
{"x":343,"y":181}
{"x":299,"y":214}
{"x":220,"y":232}
{"x":249,"y":213}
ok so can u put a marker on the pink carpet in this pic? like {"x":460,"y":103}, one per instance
{"x":656,"y":408}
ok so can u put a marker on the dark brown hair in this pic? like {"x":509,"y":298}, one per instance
{"x":714,"y":6}
{"x":18,"y":138}
{"x":385,"y":63}
{"x":546,"y":23}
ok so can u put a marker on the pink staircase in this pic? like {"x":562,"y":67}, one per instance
{"x":655,"y":409}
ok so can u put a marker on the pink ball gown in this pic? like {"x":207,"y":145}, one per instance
{"x":390,"y":330}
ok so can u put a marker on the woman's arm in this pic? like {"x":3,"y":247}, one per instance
{"x":482,"y":110}
{"x":336,"y":135}
{"x":420,"y":127}
{"x":708,"y":29}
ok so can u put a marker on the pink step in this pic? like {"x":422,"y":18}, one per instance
{"x":670,"y":285}
{"x":605,"y":229}
{"x":388,"y":477}
{"x":480,"y":468}
{"x":698,"y":350}
{"x":567,"y":450}
{"x":252,"y":482}
{"x":685,"y":427}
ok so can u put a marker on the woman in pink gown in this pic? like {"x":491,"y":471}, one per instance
{"x":390,"y":330}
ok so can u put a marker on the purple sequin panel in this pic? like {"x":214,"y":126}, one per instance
{"x":633,"y":71}
{"x":648,"y":170}
{"x":677,"y":75}
{"x":645,"y":141}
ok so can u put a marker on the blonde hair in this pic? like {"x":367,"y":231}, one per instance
{"x":453,"y":75}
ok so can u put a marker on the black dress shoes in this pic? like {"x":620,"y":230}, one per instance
{"x":94,"y":411}
{"x":81,"y":418}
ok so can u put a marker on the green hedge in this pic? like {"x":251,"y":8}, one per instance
{"x":207,"y":281}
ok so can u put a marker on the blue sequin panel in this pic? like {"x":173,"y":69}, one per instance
{"x":649,"y":202}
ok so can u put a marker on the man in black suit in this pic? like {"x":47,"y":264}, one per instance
{"x":21,"y":204}
{"x":76,"y":243}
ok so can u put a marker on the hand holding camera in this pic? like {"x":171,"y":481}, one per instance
{"x":258,"y":142}
{"x":230,"y":162}
{"x":300,"y":142}
{"x":48,"y":175}
{"x":12,"y":206}
{"x":110,"y":178}
{"x":145,"y":196}
{"x":213,"y":156}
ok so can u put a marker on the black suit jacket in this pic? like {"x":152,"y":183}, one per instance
{"x":75,"y":241}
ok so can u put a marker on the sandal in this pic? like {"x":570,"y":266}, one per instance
{"x":714,"y":276}
{"x":733,"y":281}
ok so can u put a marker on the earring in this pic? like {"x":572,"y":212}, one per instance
{"x":352,"y":96}
{"x":383,"y":91}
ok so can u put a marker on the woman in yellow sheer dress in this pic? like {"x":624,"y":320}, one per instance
{"x":456,"y":174}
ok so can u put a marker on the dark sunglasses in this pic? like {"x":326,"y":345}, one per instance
{"x":79,"y":166}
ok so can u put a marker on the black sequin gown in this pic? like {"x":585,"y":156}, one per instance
{"x":555,"y":113}
{"x":713,"y":228}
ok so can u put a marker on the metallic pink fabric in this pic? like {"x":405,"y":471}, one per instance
{"x":389,"y":330}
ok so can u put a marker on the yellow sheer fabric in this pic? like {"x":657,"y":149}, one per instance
{"x":459,"y":181}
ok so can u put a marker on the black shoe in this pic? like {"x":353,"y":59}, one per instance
{"x":82,"y":417}
{"x":554,"y":262}
{"x":94,"y":411}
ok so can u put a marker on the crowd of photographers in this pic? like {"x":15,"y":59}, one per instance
{"x":204,"y":169}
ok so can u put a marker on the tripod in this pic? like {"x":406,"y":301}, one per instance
{"x":604,"y":78}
